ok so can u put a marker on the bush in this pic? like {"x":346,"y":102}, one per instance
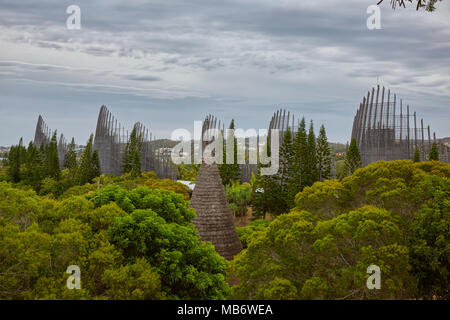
{"x":129,"y":244}
{"x":392,"y":214}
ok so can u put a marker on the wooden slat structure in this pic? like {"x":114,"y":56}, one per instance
{"x":389,"y":135}
{"x":43,"y":135}
{"x":214,"y":220}
{"x":110,"y":142}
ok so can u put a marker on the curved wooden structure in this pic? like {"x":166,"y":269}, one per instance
{"x":111,"y":139}
{"x":384,"y":130}
{"x":43,"y":135}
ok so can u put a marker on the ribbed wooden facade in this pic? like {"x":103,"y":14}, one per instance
{"x":43,"y":135}
{"x":111,"y":139}
{"x":385,"y":129}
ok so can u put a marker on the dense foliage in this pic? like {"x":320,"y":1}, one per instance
{"x":392,"y":214}
{"x":129,"y":244}
{"x":239,"y":197}
{"x":40,"y":168}
{"x":303,"y":160}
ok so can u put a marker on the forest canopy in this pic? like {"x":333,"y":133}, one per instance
{"x":395,"y":215}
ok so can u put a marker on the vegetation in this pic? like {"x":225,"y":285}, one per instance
{"x":392,"y":214}
{"x":416,"y":155}
{"x":323,"y":155}
{"x":303,"y":161}
{"x":132,"y":236}
{"x":239,"y":197}
{"x":434,"y":152}
{"x":352,"y":159}
{"x":188,"y":172}
{"x":132,"y":155}
{"x":40,"y":168}
{"x":134,"y":243}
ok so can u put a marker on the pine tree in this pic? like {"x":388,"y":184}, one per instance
{"x":136,"y":164}
{"x":323,"y":155}
{"x":230,"y":171}
{"x":16,"y":157}
{"x":286,"y":158}
{"x":33,"y":169}
{"x":353,"y":158}
{"x":132,"y":155}
{"x":89,"y":165}
{"x":300,"y":146}
{"x":278,"y":186}
{"x":310,"y":168}
{"x":70,"y":158}
{"x":267,"y":196}
{"x":95,"y":164}
{"x":51,"y":162}
{"x":434,"y":152}
{"x":416,"y":155}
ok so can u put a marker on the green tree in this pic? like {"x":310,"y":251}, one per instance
{"x":150,"y":251}
{"x":16,"y":157}
{"x":287,"y":154}
{"x":51,"y":160}
{"x":301,"y":251}
{"x":95,"y":164}
{"x":70,"y":158}
{"x":298,"y":167}
{"x":311,"y":173}
{"x":352,"y":158}
{"x":33,"y":171}
{"x":416,"y":155}
{"x":246,"y":233}
{"x":323,"y":155}
{"x":429,"y":247}
{"x":132,"y":155}
{"x":266,"y":191}
{"x":89,"y":165}
{"x":239,"y":197}
{"x":188,"y":172}
{"x":434,"y":152}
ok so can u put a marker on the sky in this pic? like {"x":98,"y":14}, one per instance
{"x":168,"y":63}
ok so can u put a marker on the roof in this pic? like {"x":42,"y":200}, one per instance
{"x":214,"y":220}
{"x":189,"y":184}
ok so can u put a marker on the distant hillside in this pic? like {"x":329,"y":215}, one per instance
{"x":337,"y":147}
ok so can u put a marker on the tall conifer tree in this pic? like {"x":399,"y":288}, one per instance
{"x":70,"y":158}
{"x":132,"y":155}
{"x":353,"y":158}
{"x":52,"y":159}
{"x":88,"y":168}
{"x":434,"y":152}
{"x":323,"y":155}
{"x":416,"y":155}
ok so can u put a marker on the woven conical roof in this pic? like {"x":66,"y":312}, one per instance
{"x":214,"y":219}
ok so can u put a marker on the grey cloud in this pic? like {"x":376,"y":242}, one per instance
{"x":143,"y":78}
{"x":239,"y":56}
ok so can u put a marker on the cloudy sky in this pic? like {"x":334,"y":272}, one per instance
{"x":167,"y":63}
